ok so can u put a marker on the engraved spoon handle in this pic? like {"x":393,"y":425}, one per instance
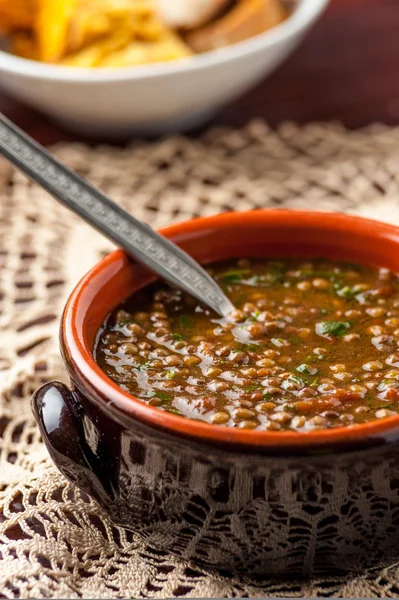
{"x":138,"y":239}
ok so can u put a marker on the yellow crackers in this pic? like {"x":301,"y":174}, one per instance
{"x":121,"y":33}
{"x":89,"y":33}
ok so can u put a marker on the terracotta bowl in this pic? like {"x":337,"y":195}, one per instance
{"x":243,"y":501}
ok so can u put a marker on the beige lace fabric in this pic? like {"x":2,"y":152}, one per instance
{"x":54,"y":541}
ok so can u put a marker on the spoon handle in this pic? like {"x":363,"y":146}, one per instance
{"x":138,"y":239}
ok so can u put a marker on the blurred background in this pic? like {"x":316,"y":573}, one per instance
{"x":345,"y":69}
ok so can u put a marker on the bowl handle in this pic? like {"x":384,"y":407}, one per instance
{"x":59,"y":415}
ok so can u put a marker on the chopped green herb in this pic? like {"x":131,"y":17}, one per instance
{"x":295,"y":340}
{"x":251,"y":347}
{"x":234,"y":276}
{"x":170,"y":374}
{"x":144,"y":366}
{"x":246,"y":348}
{"x":252,"y":387}
{"x":275,"y":278}
{"x":297,"y":379}
{"x":293,"y":378}
{"x":324,"y":311}
{"x":266,"y":396}
{"x":347,"y":292}
{"x":161,"y":395}
{"x":278,"y":341}
{"x":177,"y":336}
{"x":314,"y":382}
{"x":290,"y":406}
{"x":306,"y":369}
{"x":174,"y":411}
{"x":185,"y":321}
{"x":332,"y":328}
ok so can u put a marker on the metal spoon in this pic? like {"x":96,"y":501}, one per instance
{"x":138,"y":239}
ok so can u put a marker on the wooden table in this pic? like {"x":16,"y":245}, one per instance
{"x":347,"y":69}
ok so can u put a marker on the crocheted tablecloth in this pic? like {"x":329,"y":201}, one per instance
{"x":54,"y":541}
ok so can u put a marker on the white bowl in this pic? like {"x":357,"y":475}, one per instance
{"x":157,"y":98}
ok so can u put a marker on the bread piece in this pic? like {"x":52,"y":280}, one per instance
{"x":246,"y":19}
{"x":188,"y":14}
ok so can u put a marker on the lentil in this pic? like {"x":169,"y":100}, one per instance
{"x":219,"y":418}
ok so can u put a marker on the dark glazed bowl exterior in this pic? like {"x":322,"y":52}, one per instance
{"x":244,"y":501}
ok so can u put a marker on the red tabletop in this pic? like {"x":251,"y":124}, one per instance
{"x":347,"y":69}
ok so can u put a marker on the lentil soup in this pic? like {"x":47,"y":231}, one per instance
{"x":311,"y":345}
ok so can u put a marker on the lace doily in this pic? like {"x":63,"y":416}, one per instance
{"x":54,"y":541}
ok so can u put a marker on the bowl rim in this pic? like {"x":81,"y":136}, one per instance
{"x":302,"y":17}
{"x":85,"y":371}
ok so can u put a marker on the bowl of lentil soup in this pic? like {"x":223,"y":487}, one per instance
{"x":264,"y":442}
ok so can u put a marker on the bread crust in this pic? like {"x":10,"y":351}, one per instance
{"x":246,"y":19}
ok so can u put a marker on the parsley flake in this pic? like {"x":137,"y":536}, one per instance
{"x":332,"y":328}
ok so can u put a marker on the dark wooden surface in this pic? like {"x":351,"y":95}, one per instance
{"x":347,"y":69}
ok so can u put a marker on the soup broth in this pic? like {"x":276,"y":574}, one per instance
{"x":310,"y":345}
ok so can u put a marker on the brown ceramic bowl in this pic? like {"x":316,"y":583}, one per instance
{"x":239,"y":500}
